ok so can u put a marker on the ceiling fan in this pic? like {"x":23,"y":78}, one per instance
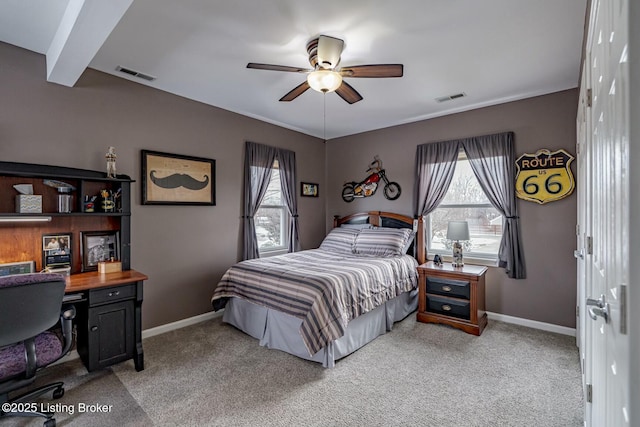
{"x":324,"y":56}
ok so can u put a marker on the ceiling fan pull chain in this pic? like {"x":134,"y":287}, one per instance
{"x":324,"y":116}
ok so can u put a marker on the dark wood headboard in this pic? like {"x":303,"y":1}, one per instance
{"x":389,"y":219}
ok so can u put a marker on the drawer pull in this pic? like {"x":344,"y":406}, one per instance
{"x":114,"y":293}
{"x":446,"y":288}
{"x":446,"y":307}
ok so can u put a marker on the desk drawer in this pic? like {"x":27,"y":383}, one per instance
{"x":448,"y":307}
{"x":448,"y":287}
{"x":117,"y":293}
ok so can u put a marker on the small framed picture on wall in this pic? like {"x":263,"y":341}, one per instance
{"x":308,"y":189}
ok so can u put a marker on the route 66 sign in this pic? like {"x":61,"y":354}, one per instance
{"x":545,"y":176}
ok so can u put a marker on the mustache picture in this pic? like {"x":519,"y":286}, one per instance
{"x":179,"y":180}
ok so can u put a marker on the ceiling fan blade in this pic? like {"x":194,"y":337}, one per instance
{"x":329,"y":51}
{"x":277,"y":68}
{"x":348,"y":93}
{"x":295,"y":92}
{"x":378,"y":70}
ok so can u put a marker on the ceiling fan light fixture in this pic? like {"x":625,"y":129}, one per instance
{"x":324,"y":80}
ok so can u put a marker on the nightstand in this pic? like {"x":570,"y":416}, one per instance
{"x":452,"y":296}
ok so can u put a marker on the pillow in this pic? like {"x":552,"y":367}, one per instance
{"x":410,"y":240}
{"x":383,"y":242}
{"x":357,"y":226}
{"x":340,"y":240}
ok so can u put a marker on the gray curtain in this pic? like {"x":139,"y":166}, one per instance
{"x":287,"y":160}
{"x":435,"y":165}
{"x":492,"y":158}
{"x":258,"y":161}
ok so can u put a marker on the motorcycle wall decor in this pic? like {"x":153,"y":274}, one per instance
{"x":368,"y":187}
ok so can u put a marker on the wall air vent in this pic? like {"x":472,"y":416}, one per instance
{"x":451,"y":97}
{"x":135,"y":73}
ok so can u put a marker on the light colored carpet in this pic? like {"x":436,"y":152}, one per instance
{"x":211,"y":374}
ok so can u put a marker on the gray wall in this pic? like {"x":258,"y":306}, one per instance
{"x":549,"y":292}
{"x":183,"y":250}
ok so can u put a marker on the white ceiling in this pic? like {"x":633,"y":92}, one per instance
{"x":492,"y":50}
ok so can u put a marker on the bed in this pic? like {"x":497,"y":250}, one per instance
{"x":323,"y":304}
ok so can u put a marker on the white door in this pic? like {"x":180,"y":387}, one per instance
{"x":606,"y":217}
{"x":583,"y":231}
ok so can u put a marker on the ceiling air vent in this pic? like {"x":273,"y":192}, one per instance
{"x":451,"y":97}
{"x":135,"y":73}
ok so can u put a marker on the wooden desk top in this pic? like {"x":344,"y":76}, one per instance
{"x":93,"y":280}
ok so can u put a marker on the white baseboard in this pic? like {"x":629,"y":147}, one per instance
{"x":147,"y":333}
{"x":532,"y":324}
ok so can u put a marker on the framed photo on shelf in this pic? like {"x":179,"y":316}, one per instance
{"x":174,"y":179}
{"x":99,"y":246}
{"x":308,"y":189}
{"x":56,"y":251}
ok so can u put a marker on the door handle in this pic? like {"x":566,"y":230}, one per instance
{"x":594,"y":312}
{"x":596,"y":302}
{"x":578,"y":254}
{"x":598,"y":307}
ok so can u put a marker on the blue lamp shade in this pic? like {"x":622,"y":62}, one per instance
{"x":458,"y":230}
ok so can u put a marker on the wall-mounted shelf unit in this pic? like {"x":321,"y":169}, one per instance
{"x":21,"y":233}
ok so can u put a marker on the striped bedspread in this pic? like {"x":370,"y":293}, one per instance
{"x":324,"y":289}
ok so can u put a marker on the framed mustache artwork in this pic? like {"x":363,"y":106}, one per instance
{"x":174,"y":179}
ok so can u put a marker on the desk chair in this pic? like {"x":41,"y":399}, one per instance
{"x":30,"y":304}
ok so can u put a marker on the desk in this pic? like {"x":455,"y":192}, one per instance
{"x":108,"y":317}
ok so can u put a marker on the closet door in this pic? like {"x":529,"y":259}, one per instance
{"x":606,"y":179}
{"x":583,"y":230}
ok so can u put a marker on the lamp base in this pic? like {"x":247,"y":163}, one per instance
{"x":457,"y":255}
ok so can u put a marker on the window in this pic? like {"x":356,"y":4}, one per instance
{"x":466,"y":201}
{"x":272,"y":217}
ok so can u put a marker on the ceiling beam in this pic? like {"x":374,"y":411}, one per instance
{"x":84,"y":27}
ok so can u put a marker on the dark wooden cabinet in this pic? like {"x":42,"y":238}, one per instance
{"x":109,"y":327}
{"x":453,"y":296}
{"x":109,"y":317}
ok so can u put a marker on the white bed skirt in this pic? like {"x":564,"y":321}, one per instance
{"x":280,"y":331}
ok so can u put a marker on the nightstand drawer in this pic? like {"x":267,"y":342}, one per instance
{"x":448,"y":287}
{"x":448,"y":307}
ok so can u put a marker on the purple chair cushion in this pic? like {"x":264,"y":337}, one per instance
{"x":13,"y":360}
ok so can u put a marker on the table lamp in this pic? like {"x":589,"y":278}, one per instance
{"x":457,"y":230}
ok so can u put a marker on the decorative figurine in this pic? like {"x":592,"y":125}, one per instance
{"x":437,"y":260}
{"x":111,"y":162}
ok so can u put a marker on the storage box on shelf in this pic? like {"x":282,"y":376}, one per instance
{"x":28,"y":203}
